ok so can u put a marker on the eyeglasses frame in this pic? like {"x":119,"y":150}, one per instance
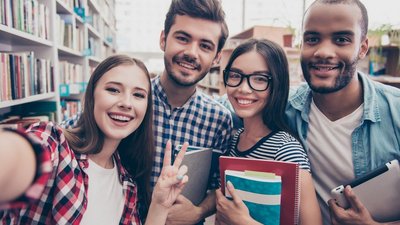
{"x":247,"y":76}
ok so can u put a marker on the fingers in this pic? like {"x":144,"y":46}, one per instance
{"x":218,"y":194}
{"x":181,"y":154}
{"x":167,"y":154}
{"x":236,"y":198}
{"x":334,"y":211}
{"x":181,"y":172}
{"x":354,"y":202}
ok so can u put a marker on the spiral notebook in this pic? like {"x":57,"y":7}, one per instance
{"x":289,"y":173}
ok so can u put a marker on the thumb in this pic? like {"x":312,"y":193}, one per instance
{"x":235,"y":196}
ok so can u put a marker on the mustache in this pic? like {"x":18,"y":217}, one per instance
{"x":187,"y":59}
{"x":326,"y":61}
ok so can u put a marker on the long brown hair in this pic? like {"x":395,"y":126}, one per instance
{"x":136,"y":150}
{"x":274,"y":111}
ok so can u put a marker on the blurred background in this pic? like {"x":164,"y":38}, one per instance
{"x":139,"y":22}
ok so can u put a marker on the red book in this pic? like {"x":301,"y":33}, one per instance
{"x":289,"y":172}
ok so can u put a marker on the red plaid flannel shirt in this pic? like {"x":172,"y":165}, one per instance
{"x":58,"y":194}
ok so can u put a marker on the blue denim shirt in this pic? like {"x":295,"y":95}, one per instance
{"x":376,"y":140}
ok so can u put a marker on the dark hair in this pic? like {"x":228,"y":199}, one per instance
{"x":274,"y":111}
{"x":203,"y":9}
{"x":136,"y":150}
{"x":361,"y":6}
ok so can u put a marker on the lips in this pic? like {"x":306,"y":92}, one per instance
{"x":187,"y":65}
{"x":245,"y":102}
{"x":186,"y":62}
{"x":324,"y":68}
{"x":120,"y":117}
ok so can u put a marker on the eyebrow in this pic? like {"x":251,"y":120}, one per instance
{"x":258,"y":71}
{"x":345,"y":32}
{"x":190,"y":36}
{"x":121,"y":84}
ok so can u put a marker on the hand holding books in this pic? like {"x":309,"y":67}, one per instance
{"x":282,"y":197}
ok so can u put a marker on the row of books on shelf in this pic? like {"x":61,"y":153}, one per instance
{"x":21,"y":116}
{"x":23,"y":75}
{"x":70,"y":73}
{"x":70,"y":108}
{"x":73,"y":4}
{"x":69,"y":35}
{"x":29,"y":16}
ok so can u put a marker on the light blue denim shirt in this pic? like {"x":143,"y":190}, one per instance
{"x":376,"y":140}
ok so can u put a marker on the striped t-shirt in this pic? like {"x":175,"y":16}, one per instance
{"x":280,"y":146}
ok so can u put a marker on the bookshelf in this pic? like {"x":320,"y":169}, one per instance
{"x":48,"y":49}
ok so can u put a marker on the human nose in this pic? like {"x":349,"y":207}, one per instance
{"x":244,"y":87}
{"x":325,"y":50}
{"x":125,"y":101}
{"x":192,"y":50}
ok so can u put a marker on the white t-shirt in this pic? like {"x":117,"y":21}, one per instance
{"x":105,"y":195}
{"x":330,"y":152}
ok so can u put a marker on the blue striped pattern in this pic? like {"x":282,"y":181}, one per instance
{"x":257,"y":187}
{"x":279,"y":146}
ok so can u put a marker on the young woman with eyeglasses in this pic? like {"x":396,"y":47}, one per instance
{"x":257,"y":84}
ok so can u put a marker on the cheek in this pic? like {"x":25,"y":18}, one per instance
{"x":229,"y":92}
{"x":264,"y":96}
{"x":141,"y":108}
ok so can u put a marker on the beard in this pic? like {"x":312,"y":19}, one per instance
{"x":180,"y":79}
{"x":347,"y":72}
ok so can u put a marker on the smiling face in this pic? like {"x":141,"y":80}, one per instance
{"x":190,"y":49}
{"x":120,"y":101}
{"x":332,"y":45}
{"x":247,"y":102}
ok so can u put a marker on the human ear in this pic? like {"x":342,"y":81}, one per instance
{"x":363,"y":48}
{"x":217,"y":58}
{"x":162,"y":41}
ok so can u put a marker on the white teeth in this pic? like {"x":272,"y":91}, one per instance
{"x":187,"y":66}
{"x":244,"y":101}
{"x":119,"y":117}
{"x":324,"y":68}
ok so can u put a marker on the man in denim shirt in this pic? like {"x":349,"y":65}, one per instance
{"x":349,"y":124}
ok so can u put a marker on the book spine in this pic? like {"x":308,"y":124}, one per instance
{"x":297,"y":198}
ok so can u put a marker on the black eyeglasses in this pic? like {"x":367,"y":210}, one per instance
{"x":256,"y":81}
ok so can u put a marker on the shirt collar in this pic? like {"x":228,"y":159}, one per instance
{"x":301,"y":100}
{"x":159,"y":91}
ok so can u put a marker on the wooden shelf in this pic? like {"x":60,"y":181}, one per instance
{"x":33,"y":98}
{"x":103,"y":40}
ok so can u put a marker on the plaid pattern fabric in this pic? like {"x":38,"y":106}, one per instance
{"x":58,"y":194}
{"x":201,"y":121}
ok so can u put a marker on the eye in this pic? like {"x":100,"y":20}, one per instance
{"x":207,"y":47}
{"x":260,"y":78}
{"x":342,"y":40}
{"x":112,"y":90}
{"x":311,"y":40}
{"x":182,"y":39}
{"x":140,"y":95}
{"x":234,"y":75}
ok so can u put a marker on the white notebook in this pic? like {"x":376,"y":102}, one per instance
{"x":378,"y":190}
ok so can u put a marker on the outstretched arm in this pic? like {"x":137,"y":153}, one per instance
{"x":169,"y":185}
{"x":17,"y":165}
